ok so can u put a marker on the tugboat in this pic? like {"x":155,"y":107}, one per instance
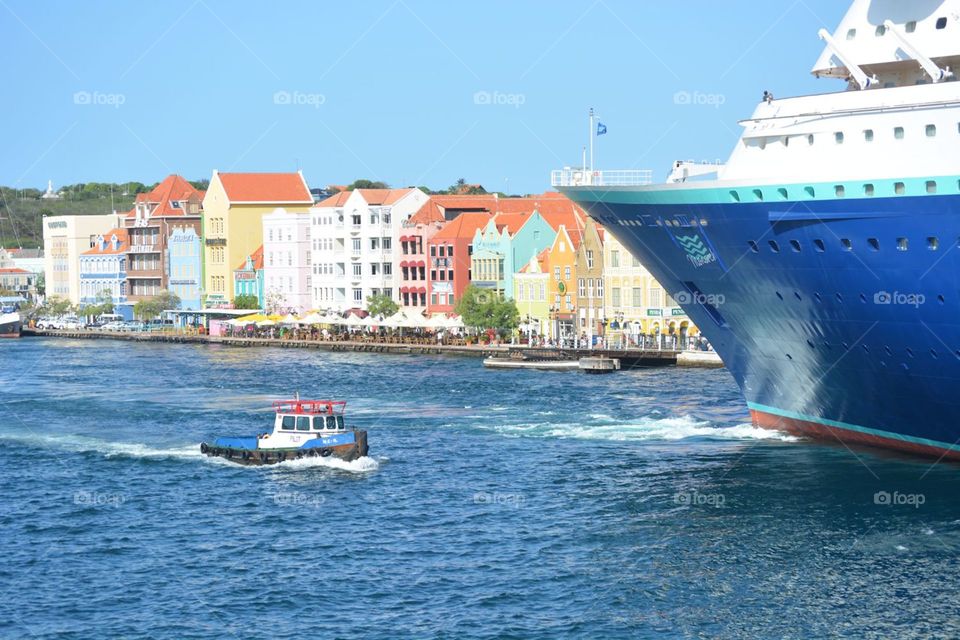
{"x":9,"y":321}
{"x":301,"y":429}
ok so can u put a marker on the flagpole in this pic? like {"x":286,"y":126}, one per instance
{"x":591,"y":145}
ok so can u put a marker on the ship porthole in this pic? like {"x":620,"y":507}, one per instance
{"x":863,"y":298}
{"x":933,"y":354}
{"x":940,"y":299}
{"x":797,"y":296}
{"x":810,"y":344}
{"x":789,"y":357}
{"x":779,"y":295}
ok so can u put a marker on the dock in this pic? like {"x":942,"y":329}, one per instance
{"x":629,"y":358}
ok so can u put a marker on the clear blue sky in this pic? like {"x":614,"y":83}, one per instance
{"x":115,"y":91}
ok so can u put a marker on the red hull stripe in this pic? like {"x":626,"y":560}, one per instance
{"x":842,"y":434}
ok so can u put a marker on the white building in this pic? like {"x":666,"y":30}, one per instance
{"x":355,"y":245}
{"x":286,"y":260}
{"x":64,"y":239}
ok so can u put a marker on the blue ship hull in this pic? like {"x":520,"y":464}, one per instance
{"x":838,"y":318}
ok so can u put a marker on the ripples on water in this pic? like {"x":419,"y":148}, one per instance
{"x":494,"y":504}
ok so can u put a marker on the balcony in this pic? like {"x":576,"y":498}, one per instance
{"x":145,"y":248}
{"x":571,"y":177}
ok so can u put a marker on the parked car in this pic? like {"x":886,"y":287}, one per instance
{"x":113,"y":326}
{"x":133,"y":326}
{"x":49,"y":323}
{"x":72,"y":323}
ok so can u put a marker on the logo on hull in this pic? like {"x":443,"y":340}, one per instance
{"x":697,"y":252}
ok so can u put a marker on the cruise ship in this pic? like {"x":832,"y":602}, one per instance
{"x":821,"y":260}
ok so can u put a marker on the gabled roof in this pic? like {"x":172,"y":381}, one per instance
{"x":173,"y":189}
{"x":376,"y":197}
{"x":13,"y":270}
{"x":463,"y":226}
{"x":122,"y":246}
{"x":511,"y":222}
{"x":280,"y":188}
{"x":257,"y":259}
{"x":542,"y":262}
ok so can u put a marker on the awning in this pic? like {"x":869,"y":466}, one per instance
{"x":404,"y":263}
{"x":421,"y":290}
{"x":404,"y":238}
{"x":404,"y":289}
{"x":420,"y":263}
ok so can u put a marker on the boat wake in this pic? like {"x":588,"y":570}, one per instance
{"x":366,"y":464}
{"x":646,"y":428}
{"x":85,"y":444}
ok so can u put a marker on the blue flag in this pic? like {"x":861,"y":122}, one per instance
{"x":601,"y":128}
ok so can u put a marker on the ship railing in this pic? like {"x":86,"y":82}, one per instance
{"x":571,"y":177}
{"x":315,"y":407}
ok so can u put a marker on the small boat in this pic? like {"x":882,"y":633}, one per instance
{"x":301,"y":429}
{"x":543,"y":365}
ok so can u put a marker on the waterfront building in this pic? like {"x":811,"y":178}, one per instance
{"x":19,"y":282}
{"x":184,"y":268}
{"x":64,"y":239}
{"x":562,"y":259}
{"x":286,"y":259}
{"x":172,"y":204}
{"x":415,"y":235}
{"x":505,"y":244}
{"x":448,"y":260}
{"x":635,"y":303}
{"x":248,"y":277}
{"x":588,"y":268}
{"x":27,"y":259}
{"x":233,"y":210}
{"x":353,"y":235}
{"x":103,"y":268}
{"x":530,"y":286}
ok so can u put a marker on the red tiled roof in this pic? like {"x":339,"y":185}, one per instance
{"x":13,"y":270}
{"x":266,"y":187}
{"x":376,"y":197}
{"x":463,"y":226}
{"x":256,"y":258}
{"x":122,"y":247}
{"x":427,"y":214}
{"x":173,"y":188}
{"x":512,"y":222}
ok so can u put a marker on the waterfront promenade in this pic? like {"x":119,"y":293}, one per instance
{"x":629,"y":357}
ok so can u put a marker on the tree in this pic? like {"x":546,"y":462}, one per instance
{"x":153,"y":307}
{"x":41,"y":284}
{"x":246,"y":301}
{"x":485,"y":310}
{"x":363,"y":183}
{"x":57,"y":306}
{"x":381,"y":305}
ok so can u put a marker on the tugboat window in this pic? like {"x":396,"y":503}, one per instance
{"x":319,"y":423}
{"x":339,"y":420}
{"x":288,"y":422}
{"x":303,"y":423}
{"x":941,"y":23}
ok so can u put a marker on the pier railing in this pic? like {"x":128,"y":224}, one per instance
{"x":569,"y":177}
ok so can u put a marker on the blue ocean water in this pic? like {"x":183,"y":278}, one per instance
{"x":494,"y":504}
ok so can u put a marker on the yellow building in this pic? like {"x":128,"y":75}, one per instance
{"x":562,"y":258}
{"x":635,"y":304}
{"x":530,"y":287}
{"x":233,"y":210}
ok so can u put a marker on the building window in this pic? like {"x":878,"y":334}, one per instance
{"x":589,"y":259}
{"x":566,"y":273}
{"x":556,"y":273}
{"x":358,"y":295}
{"x":581,"y":289}
{"x":357,"y":269}
{"x":931,"y":130}
{"x":614,"y":258}
{"x":898,"y":133}
{"x":387,"y":269}
{"x":868,"y":135}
